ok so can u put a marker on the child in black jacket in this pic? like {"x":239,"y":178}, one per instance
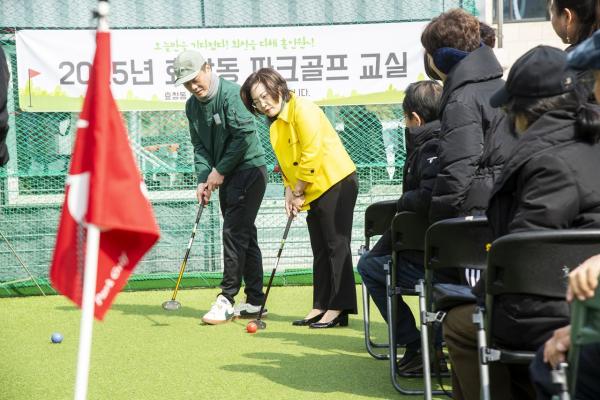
{"x":421,"y":109}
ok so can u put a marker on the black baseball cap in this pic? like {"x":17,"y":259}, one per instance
{"x":541,"y":72}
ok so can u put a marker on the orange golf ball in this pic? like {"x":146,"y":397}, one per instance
{"x":251,"y":327}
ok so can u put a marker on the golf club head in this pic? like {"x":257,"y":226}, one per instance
{"x":171,"y":305}
{"x":260,"y":324}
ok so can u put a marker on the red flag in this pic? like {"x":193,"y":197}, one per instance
{"x":104,"y":188}
{"x":33,"y":73}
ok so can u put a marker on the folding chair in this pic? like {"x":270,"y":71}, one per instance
{"x":378,"y":218}
{"x":456,"y":248}
{"x":585,"y":329}
{"x":529,"y":263}
{"x":408,"y":233}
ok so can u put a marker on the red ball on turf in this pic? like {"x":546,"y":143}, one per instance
{"x":251,"y":327}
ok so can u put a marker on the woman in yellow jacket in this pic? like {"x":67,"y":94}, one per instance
{"x":320,"y":177}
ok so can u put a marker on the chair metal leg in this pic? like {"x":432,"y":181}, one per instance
{"x":559,"y":376}
{"x":391,"y":309}
{"x":420,"y":289}
{"x":484,"y":373}
{"x":369,"y":344}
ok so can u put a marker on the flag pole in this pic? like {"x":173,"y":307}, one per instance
{"x":87,"y":311}
{"x":90,"y":273}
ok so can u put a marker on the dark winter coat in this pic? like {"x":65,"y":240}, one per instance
{"x":471,"y":155}
{"x":585,"y":80}
{"x":420,"y":170}
{"x":549,"y":182}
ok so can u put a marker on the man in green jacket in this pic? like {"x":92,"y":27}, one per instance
{"x":227,"y":156}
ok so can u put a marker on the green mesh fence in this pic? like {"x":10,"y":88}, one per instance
{"x":32,"y":184}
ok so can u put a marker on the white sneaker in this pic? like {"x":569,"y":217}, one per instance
{"x":220,"y":312}
{"x":247,"y":310}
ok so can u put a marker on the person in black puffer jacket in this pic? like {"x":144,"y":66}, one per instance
{"x":548,"y":182}
{"x":474,"y":141}
{"x":583,"y":281}
{"x":421,"y":107}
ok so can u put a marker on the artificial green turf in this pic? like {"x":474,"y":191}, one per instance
{"x":141,"y":351}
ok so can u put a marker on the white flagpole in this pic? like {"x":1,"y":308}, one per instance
{"x":89,"y":280}
{"x":87,"y":311}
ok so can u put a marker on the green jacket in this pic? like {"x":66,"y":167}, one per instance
{"x":223,"y":133}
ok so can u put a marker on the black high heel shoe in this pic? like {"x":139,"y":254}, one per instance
{"x":307,"y":321}
{"x":341,"y":320}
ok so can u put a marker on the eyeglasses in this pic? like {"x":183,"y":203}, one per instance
{"x":262,"y":99}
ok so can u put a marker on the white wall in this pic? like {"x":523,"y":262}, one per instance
{"x":519,"y":37}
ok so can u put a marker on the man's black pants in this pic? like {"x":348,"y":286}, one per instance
{"x":240,"y":196}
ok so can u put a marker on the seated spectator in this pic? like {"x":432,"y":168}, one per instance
{"x":583,"y":281}
{"x":421,"y":108}
{"x":473,"y":140}
{"x":549,"y":182}
{"x":488,"y":37}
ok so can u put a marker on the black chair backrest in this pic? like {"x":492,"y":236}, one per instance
{"x":537,"y":262}
{"x":455,"y":252}
{"x":378,"y":218}
{"x":408,"y":234}
{"x":408,"y":231}
{"x":526,"y":281}
{"x":457,"y":243}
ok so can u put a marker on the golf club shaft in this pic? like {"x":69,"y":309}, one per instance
{"x":187,"y":252}
{"x":285,"y":234}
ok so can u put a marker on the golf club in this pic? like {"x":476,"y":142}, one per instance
{"x":260,"y":324}
{"x":172,"y":305}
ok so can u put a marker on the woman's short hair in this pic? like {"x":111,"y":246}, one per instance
{"x":274,"y":83}
{"x":455,"y":28}
{"x":423,"y":98}
{"x":588,"y":15}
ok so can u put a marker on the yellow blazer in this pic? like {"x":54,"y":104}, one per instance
{"x":308,"y":148}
